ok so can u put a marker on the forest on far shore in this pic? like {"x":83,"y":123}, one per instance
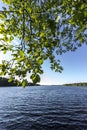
{"x":76,"y":84}
{"x":4,"y":83}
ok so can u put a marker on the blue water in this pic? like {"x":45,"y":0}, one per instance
{"x":43,"y":108}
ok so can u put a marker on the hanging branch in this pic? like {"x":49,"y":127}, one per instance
{"x":23,"y":31}
{"x":8,"y":11}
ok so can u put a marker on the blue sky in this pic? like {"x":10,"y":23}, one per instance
{"x":75,"y":68}
{"x":74,"y":64}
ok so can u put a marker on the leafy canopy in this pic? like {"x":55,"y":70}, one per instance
{"x":44,"y":29}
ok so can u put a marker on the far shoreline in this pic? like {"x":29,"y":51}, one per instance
{"x":4,"y":83}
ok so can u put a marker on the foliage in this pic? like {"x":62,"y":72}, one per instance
{"x":76,"y":84}
{"x":5,"y":82}
{"x":45,"y":29}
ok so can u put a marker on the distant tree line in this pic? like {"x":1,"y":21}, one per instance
{"x":76,"y":84}
{"x":5,"y":82}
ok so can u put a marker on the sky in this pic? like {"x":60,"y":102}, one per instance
{"x":74,"y":64}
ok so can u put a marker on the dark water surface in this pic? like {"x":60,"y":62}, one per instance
{"x":43,"y":108}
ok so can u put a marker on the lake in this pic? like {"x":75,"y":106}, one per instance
{"x":43,"y":108}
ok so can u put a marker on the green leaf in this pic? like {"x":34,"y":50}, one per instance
{"x":21,"y":10}
{"x":5,"y":51}
{"x":41,"y":34}
{"x":40,"y":60}
{"x":29,"y":10}
{"x":35,"y":78}
{"x":10,"y":79}
{"x":21,"y":53}
{"x":24,"y":83}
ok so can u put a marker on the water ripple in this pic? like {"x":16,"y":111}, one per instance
{"x":43,"y":108}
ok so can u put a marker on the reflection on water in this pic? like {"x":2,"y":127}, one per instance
{"x":43,"y":108}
